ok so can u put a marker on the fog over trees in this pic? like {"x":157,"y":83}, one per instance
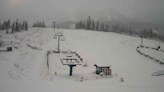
{"x":132,"y":17}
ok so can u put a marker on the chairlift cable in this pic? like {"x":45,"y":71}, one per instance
{"x":67,"y":46}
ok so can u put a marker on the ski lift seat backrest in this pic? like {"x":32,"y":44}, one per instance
{"x":69,"y":55}
{"x":55,"y":37}
{"x":64,"y":52}
{"x":73,"y":52}
{"x":58,"y":34}
{"x":62,"y":39}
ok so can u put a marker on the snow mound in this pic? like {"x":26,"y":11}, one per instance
{"x":158,"y":73}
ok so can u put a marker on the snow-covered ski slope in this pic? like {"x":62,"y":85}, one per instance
{"x":25,"y":69}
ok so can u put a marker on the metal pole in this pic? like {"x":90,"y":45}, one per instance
{"x":58,"y":43}
{"x":141,"y":41}
{"x":70,"y":74}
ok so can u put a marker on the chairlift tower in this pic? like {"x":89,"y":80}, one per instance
{"x":58,"y":34}
{"x":54,"y":23}
{"x":142,"y":39}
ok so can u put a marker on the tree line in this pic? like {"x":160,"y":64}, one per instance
{"x":16,"y":26}
{"x":39,"y":24}
{"x":91,"y":24}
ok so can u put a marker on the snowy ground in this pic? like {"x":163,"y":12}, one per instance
{"x":25,"y":69}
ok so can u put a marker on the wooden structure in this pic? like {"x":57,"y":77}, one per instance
{"x":9,"y":48}
{"x":103,"y":69}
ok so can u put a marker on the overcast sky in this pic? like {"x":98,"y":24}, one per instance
{"x":27,"y":9}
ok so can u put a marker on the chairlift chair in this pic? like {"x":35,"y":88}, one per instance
{"x":55,"y":37}
{"x":62,"y":38}
{"x":69,"y":55}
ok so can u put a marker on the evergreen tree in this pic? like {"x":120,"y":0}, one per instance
{"x":116,"y":28}
{"x":93,"y":25}
{"x":106,"y":28}
{"x":34,"y":25}
{"x":83,"y":26}
{"x":43,"y":25}
{"x":17,"y":26}
{"x":13,"y":27}
{"x":38,"y":24}
{"x":26,"y":25}
{"x":151,"y":33}
{"x":8,"y":24}
{"x":144,"y":33}
{"x":3,"y":27}
{"x":97,"y":26}
{"x":89,"y":23}
{"x":76,"y":25}
{"x":102,"y":27}
{"x":0,"y":26}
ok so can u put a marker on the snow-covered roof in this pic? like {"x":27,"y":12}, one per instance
{"x":102,"y":65}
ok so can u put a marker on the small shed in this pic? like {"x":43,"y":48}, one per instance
{"x":103,"y":69}
{"x":9,"y":48}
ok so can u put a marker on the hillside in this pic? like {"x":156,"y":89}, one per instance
{"x":25,"y":69}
